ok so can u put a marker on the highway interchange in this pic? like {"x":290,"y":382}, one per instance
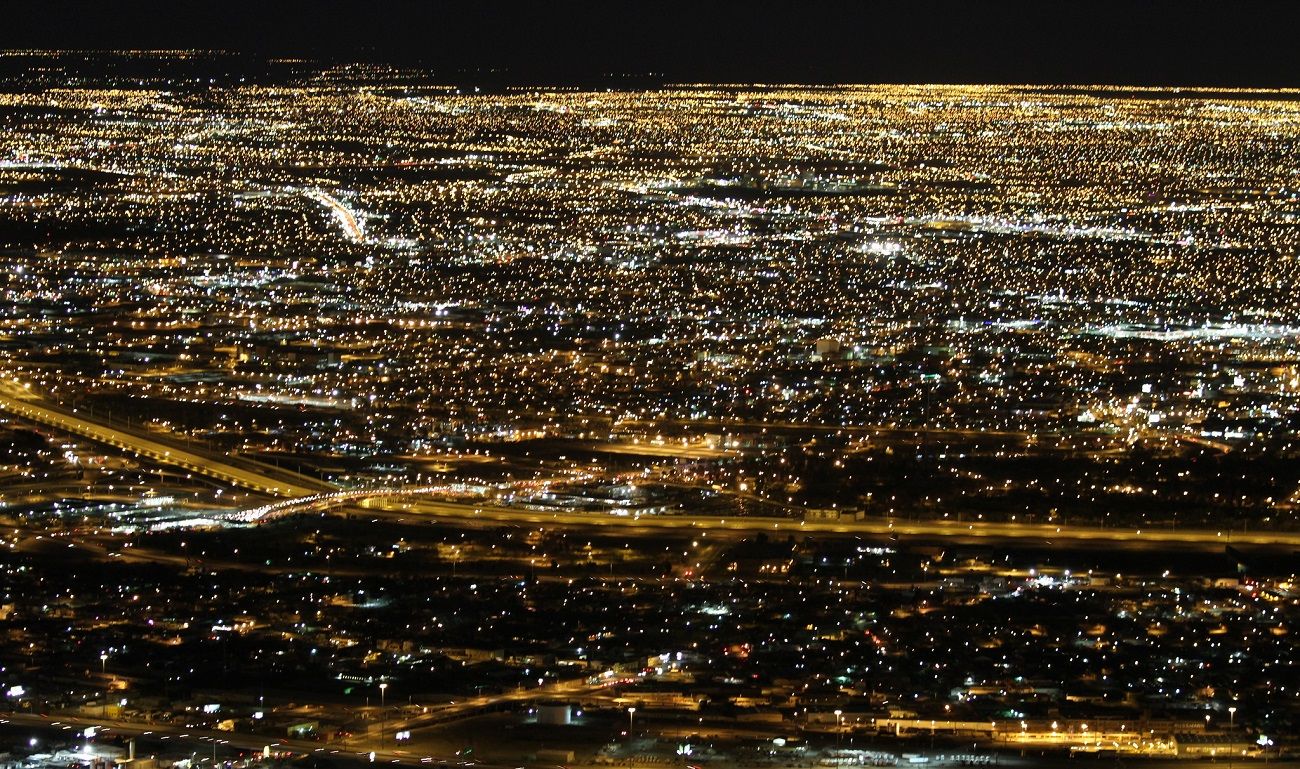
{"x":307,"y":495}
{"x":429,"y":504}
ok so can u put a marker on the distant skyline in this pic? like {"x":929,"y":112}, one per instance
{"x":1139,"y":42}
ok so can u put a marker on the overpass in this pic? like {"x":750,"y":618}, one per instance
{"x":302,"y":494}
{"x":285,"y":485}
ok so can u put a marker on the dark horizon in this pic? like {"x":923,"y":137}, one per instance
{"x":1153,"y":43}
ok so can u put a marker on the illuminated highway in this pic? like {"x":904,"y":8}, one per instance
{"x":227,"y":740}
{"x":1021,"y":532}
{"x":346,"y":219}
{"x":748,"y":424}
{"x":360,"y":746}
{"x":160,"y":452}
{"x":300,"y":497}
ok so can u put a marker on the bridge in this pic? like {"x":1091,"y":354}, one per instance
{"x":284,"y":484}
{"x":300,"y":494}
{"x":321,"y":502}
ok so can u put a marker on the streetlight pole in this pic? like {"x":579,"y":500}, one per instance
{"x":839,"y":727}
{"x":1232,"y":717}
{"x":630,"y":712}
{"x":103,"y":673}
{"x":382,"y":687}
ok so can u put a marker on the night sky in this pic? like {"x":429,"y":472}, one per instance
{"x":1156,"y":42}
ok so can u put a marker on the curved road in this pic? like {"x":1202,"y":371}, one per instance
{"x":346,"y":219}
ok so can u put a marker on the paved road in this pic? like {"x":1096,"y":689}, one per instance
{"x":1025,"y":532}
{"x":203,"y":739}
{"x":342,"y":213}
{"x":390,"y":753}
{"x":1015,"y":532}
{"x":564,"y":689}
{"x":155,"y":450}
{"x":723,"y":425}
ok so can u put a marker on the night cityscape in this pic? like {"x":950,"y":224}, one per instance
{"x":359,"y":408}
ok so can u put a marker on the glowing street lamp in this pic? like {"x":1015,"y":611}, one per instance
{"x":103,"y":672}
{"x":630,"y":712}
{"x":382,"y":687}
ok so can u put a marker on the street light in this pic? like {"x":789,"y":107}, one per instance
{"x":839,"y":721}
{"x":630,"y":712}
{"x":1232,"y":716}
{"x":103,"y":673}
{"x":382,"y":686}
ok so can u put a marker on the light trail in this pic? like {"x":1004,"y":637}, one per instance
{"x":406,"y":501}
{"x":342,"y":214}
